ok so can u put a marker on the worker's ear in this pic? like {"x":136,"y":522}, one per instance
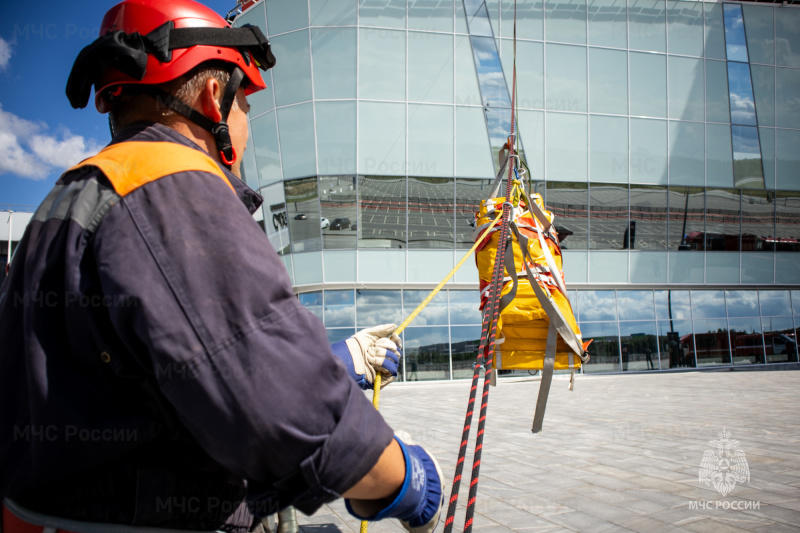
{"x":209,"y":98}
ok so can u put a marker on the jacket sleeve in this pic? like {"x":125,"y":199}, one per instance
{"x":248,"y":369}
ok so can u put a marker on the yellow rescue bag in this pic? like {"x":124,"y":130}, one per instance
{"x":526,"y":310}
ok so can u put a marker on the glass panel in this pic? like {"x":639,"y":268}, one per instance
{"x":686,"y":268}
{"x":714,"y":33}
{"x":496,"y":100}
{"x":382,"y":138}
{"x":336,"y":137}
{"x":596,"y":306}
{"x":469,"y":193}
{"x":647,"y":22}
{"x":430,"y":67}
{"x":685,"y":28}
{"x":478,"y":18}
{"x":787,"y":223}
{"x":788,"y":87}
{"x":648,"y":227}
{"x":340,"y":266}
{"x":743,"y":109}
{"x":686,"y":218}
{"x":430,"y":140}
{"x":760,"y":31}
{"x":467,"y":92}
{"x":382,"y":56}
{"x":569,"y":202}
{"x":787,"y":33}
{"x":767,"y":138}
{"x":464,"y":307}
{"x":465,"y":341}
{"x":340,"y":309}
{"x":427,"y":15}
{"x":565,"y":21}
{"x":429,"y":265}
{"x":575,"y":265}
{"x":649,"y":151}
{"x":648,"y":85}
{"x":427,"y":353}
{"x":672,"y":305}
{"x":609,"y":148}
{"x":722,"y":219}
{"x":687,"y":165}
{"x":639,"y":346}
{"x":302,"y":200}
{"x":385,"y":13}
{"x":608,"y":267}
{"x":566,"y":77}
{"x":334,"y":51}
{"x":711,"y":343}
{"x":608,"y":23}
{"x":376,"y":307}
{"x":381,"y":265}
{"x":723,"y":267}
{"x":531,"y":130}
{"x":718,"y":107}
{"x":277,"y":219}
{"x":746,"y":341}
{"x":339,"y":334}
{"x":292,"y":74}
{"x":787,"y":160}
{"x":296,"y":131}
{"x":265,"y":140}
{"x":719,"y":156}
{"x":248,"y":165}
{"x":780,"y":340}
{"x":529,"y":18}
{"x":382,"y":222}
{"x":649,"y":267}
{"x":313,"y":302}
{"x":430,"y":215}
{"x":567,"y":146}
{"x":604,"y":350}
{"x":735,"y":44}
{"x":708,"y":304}
{"x":608,"y":81}
{"x":530,"y":72}
{"x":742,"y":303}
{"x":332,"y":12}
{"x":473,"y":153}
{"x":608,"y":217}
{"x":686,"y":88}
{"x":636,"y":305}
{"x":286,"y":15}
{"x":461,"y":18}
{"x":339,"y":212}
{"x":307,"y":268}
{"x":262,"y":100}
{"x":758,"y":220}
{"x":758,"y":268}
{"x":434,"y":314}
{"x":675,"y":342}
{"x":764,"y":88}
{"x":774,"y":303}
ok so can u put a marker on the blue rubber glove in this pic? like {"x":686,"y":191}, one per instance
{"x":371,"y":350}
{"x":420,"y":501}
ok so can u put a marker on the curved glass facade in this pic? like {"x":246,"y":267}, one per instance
{"x":663,"y":134}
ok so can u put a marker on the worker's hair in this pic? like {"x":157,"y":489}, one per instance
{"x":135,"y":105}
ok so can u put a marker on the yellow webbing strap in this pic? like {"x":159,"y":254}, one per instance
{"x":376,"y":391}
{"x":129,"y":165}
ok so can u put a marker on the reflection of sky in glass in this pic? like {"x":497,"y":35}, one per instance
{"x":635,"y":305}
{"x":434,"y":314}
{"x":747,"y":167}
{"x":745,"y":142}
{"x":742,"y":303}
{"x":339,"y":308}
{"x":597,"y":305}
{"x":734,"y":33}
{"x":708,"y":304}
{"x":313,"y":302}
{"x":478,"y":18}
{"x":675,"y":301}
{"x":775,"y":303}
{"x":743,"y":109}
{"x":490,"y":73}
{"x":375,"y":307}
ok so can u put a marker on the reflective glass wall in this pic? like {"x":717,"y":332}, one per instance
{"x":633,"y":330}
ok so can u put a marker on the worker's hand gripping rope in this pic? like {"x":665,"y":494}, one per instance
{"x":371,"y":354}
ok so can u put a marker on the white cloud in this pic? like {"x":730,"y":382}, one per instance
{"x":30,"y":152}
{"x":5,"y":53}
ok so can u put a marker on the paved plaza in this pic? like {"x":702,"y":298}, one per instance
{"x":619,"y":453}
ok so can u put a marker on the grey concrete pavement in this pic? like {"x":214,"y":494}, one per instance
{"x":620,"y":453}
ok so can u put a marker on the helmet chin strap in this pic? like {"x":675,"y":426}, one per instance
{"x":219,"y":130}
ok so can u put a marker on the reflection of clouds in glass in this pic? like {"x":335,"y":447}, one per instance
{"x":742,"y":303}
{"x":709,"y":304}
{"x":635,"y":305}
{"x":338,"y":316}
{"x":416,"y":337}
{"x":338,"y":298}
{"x":678,"y":301}
{"x":597,"y":305}
{"x":775,"y":303}
{"x":745,"y":143}
{"x":743,"y":109}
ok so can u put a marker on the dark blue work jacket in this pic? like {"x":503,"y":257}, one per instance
{"x":156,"y":368}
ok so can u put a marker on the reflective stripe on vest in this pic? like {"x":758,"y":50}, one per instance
{"x":129,"y":165}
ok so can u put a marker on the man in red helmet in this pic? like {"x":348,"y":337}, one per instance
{"x":157,"y":370}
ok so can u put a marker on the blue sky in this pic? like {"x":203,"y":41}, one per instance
{"x":40,"y":134}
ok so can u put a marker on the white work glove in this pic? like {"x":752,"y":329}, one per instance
{"x":371,"y":350}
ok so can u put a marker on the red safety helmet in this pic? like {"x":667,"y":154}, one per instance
{"x":151,"y":42}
